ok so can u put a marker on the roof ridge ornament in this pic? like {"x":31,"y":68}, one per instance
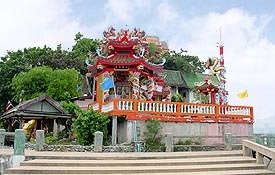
{"x":124,"y":35}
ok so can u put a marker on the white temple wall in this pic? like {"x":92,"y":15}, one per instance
{"x":181,"y":130}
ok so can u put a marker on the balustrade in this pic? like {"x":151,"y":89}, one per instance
{"x":178,"y":111}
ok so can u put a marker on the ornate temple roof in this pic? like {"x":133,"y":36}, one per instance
{"x":120,"y":60}
{"x":123,"y":48}
{"x":192,"y":78}
{"x":206,"y":86}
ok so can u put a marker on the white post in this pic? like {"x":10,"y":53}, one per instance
{"x":114,"y":130}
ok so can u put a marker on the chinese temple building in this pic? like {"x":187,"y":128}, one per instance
{"x":131,"y":88}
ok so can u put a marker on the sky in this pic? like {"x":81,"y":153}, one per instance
{"x":247,"y":34}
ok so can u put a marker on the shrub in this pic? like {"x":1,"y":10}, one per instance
{"x":153,"y":136}
{"x":188,"y":142}
{"x":87,"y":123}
{"x":177,"y":98}
{"x":51,"y":139}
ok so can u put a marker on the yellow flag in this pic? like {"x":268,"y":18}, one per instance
{"x":243,"y":94}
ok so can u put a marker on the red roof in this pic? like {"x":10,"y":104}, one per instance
{"x":119,"y":59}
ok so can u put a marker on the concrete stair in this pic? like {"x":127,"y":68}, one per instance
{"x":195,"y":163}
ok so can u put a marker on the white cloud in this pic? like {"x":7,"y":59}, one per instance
{"x":28,"y":23}
{"x":124,"y":10}
{"x":249,"y":55}
{"x":166,"y":13}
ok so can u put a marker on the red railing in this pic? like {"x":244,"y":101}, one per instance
{"x":176,"y":112}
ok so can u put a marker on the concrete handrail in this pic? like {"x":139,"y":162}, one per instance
{"x":261,"y":151}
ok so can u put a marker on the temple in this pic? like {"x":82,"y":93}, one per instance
{"x":131,"y":87}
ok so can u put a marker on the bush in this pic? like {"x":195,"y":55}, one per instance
{"x":188,"y":142}
{"x":71,"y":108}
{"x":177,"y":98}
{"x":87,"y":123}
{"x":153,"y":136}
{"x":51,"y":139}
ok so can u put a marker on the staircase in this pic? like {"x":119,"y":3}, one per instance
{"x":177,"y":163}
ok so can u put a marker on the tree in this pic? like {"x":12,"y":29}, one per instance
{"x":15,"y":62}
{"x":84,"y":46}
{"x":58,"y":84}
{"x":58,"y":59}
{"x":63,"y":84}
{"x":33,"y":83}
{"x":153,"y":136}
{"x":184,"y":63}
{"x":5,"y":93}
{"x":72,"y":108}
{"x":87,"y":123}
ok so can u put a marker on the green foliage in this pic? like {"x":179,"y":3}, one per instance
{"x":177,"y":98}
{"x":154,"y":53}
{"x":188,"y":142}
{"x":153,"y":136}
{"x":63,"y":85}
{"x":84,"y":46}
{"x":184,"y":63}
{"x":1,"y":124}
{"x":51,"y":139}
{"x":31,"y":84}
{"x":58,"y":84}
{"x":201,"y":97}
{"x":72,"y":108}
{"x":87,"y":123}
{"x":66,"y":142}
{"x":15,"y":62}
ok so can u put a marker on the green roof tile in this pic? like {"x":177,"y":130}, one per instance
{"x":192,"y":78}
{"x":174,"y":78}
{"x":188,"y":80}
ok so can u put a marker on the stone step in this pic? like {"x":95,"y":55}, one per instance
{"x":129,"y":156}
{"x":131,"y":169}
{"x":233,"y":172}
{"x":145,"y":162}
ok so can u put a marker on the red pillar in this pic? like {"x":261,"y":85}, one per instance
{"x":213,"y":97}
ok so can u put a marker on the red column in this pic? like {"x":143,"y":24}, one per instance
{"x":213,"y":97}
